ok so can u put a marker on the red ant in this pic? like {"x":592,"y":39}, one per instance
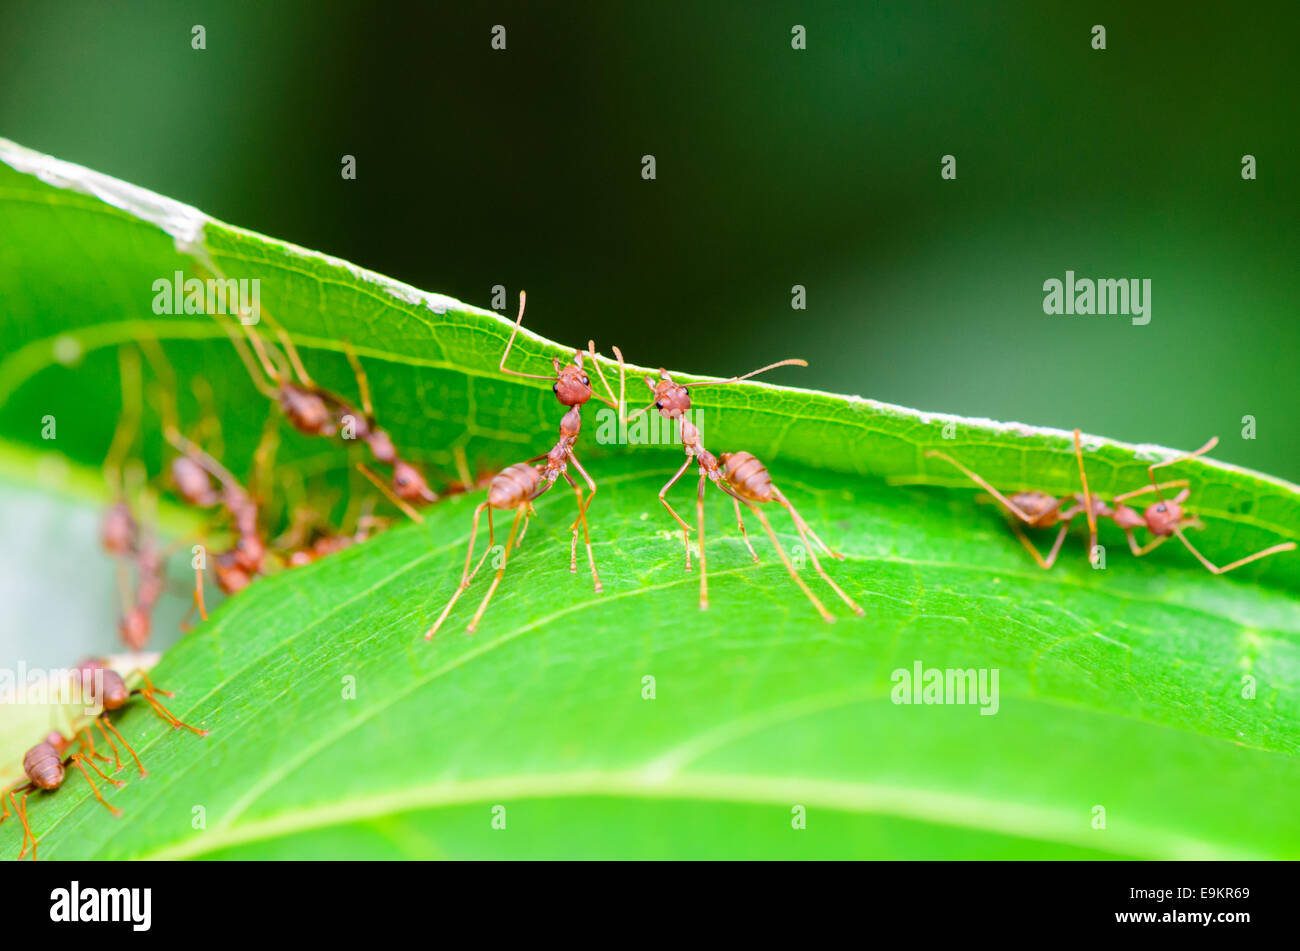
{"x":192,"y":472}
{"x":46,"y":768}
{"x":516,"y":486}
{"x":1163,"y":519}
{"x":45,"y":764}
{"x":315,"y":411}
{"x":120,"y":532}
{"x":740,"y":476}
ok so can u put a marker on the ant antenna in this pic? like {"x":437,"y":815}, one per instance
{"x":1151,"y":469}
{"x":622,"y":373}
{"x":510,"y":343}
{"x":796,"y":362}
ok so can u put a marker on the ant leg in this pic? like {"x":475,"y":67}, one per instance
{"x":699,"y":518}
{"x":1272,"y":550}
{"x":743,"y":534}
{"x":258,"y":374}
{"x":20,"y":810}
{"x":117,"y":762}
{"x":519,"y":542}
{"x":767,"y":526}
{"x":1177,"y":483}
{"x":573,"y":545}
{"x":175,"y":721}
{"x":128,"y":421}
{"x":276,"y":374}
{"x":1151,"y":469}
{"x":389,"y":494}
{"x":686,"y":529}
{"x":800,"y":522}
{"x":363,"y":382}
{"x":260,"y":481}
{"x":291,"y":351}
{"x":88,"y":743}
{"x":582,"y":517}
{"x":1148,"y":547}
{"x":462,"y":468}
{"x":505,"y":557}
{"x":1006,"y":502}
{"x":812,"y":553}
{"x":107,"y":727}
{"x":1047,"y":563}
{"x":198,"y":591}
{"x":1087,"y":496}
{"x":162,"y":369}
{"x":76,"y":759}
{"x":148,"y":692}
{"x":466,"y":576}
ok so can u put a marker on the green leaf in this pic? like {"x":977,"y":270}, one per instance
{"x":1152,"y":690}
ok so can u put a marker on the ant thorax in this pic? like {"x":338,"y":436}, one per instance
{"x":690,"y":435}
{"x":571,"y":424}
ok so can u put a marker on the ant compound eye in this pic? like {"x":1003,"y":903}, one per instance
{"x":659,"y":404}
{"x":555,"y":387}
{"x":1160,"y":507}
{"x":586,"y":382}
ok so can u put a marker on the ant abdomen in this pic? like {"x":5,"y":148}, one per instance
{"x":747,"y":476}
{"x":513,"y":486}
{"x":112,"y":691}
{"x":119,"y":531}
{"x":44,"y":766}
{"x":1043,"y":510}
{"x":192,"y":482}
{"x":306,"y":411}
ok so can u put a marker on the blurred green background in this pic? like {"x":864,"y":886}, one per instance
{"x":775,"y":167}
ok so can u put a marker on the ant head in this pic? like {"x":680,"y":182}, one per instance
{"x":249,"y":553}
{"x":230,"y":576}
{"x":572,"y":386}
{"x":409,"y":484}
{"x":1164,"y":516}
{"x":671,"y":399}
